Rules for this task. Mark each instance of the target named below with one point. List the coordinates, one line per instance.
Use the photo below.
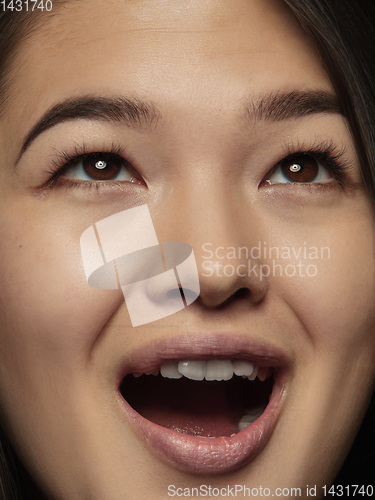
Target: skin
(62, 342)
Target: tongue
(210, 409)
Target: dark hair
(13, 477)
(344, 34)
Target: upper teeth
(213, 369)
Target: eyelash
(67, 159)
(325, 153)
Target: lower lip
(197, 455)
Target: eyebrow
(133, 112)
(294, 104)
(136, 113)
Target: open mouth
(207, 398)
(204, 403)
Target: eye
(301, 168)
(101, 167)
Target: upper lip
(203, 346)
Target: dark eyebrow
(294, 104)
(136, 113)
(133, 112)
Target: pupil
(302, 168)
(101, 168)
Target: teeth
(242, 368)
(218, 369)
(170, 370)
(250, 417)
(213, 369)
(245, 422)
(155, 372)
(195, 370)
(254, 374)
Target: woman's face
(203, 101)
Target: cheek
(337, 306)
(50, 322)
(334, 316)
(334, 300)
(49, 316)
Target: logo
(122, 251)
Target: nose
(227, 245)
(227, 271)
(154, 287)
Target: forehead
(204, 53)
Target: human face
(205, 168)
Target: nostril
(240, 294)
(215, 298)
(174, 293)
(188, 295)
